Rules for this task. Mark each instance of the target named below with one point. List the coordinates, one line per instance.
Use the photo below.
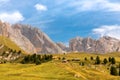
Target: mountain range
(33, 40)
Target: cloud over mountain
(13, 17)
(106, 30)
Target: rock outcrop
(103, 45)
(28, 38)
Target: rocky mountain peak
(103, 45)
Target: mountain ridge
(104, 44)
(33, 40)
(28, 38)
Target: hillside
(9, 50)
(58, 70)
(9, 44)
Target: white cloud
(90, 5)
(11, 17)
(112, 31)
(40, 7)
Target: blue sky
(65, 19)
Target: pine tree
(119, 69)
(34, 58)
(39, 57)
(109, 59)
(85, 59)
(97, 60)
(113, 60)
(105, 61)
(63, 58)
(113, 70)
(91, 58)
(25, 60)
(37, 61)
(51, 56)
(19, 52)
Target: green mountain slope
(6, 43)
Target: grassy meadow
(57, 70)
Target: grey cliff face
(32, 40)
(41, 42)
(102, 45)
(16, 36)
(107, 44)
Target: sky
(63, 20)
